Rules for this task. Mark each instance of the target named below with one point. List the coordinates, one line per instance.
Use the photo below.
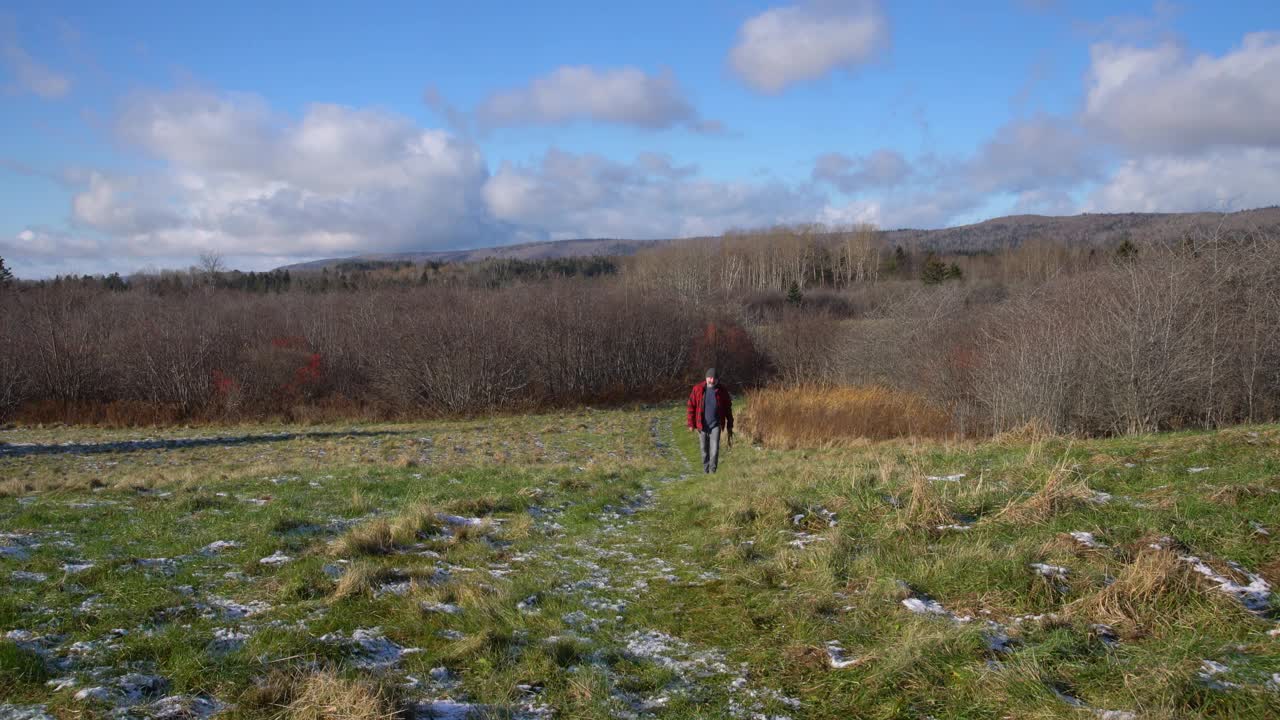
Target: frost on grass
(957, 477)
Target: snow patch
(218, 546)
(372, 649)
(275, 559)
(1086, 539)
(1256, 596)
(24, 712)
(1050, 571)
(185, 707)
(838, 657)
(226, 640)
(438, 607)
(226, 609)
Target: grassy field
(575, 565)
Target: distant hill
(993, 234)
(547, 250)
(1086, 229)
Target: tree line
(1136, 336)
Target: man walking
(710, 411)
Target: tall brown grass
(1063, 490)
(808, 416)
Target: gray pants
(710, 449)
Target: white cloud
(1164, 99)
(31, 75)
(1225, 179)
(784, 46)
(625, 96)
(572, 195)
(115, 205)
(241, 179)
(46, 243)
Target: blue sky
(143, 134)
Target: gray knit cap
(711, 373)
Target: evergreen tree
(1126, 250)
(954, 272)
(794, 296)
(6, 275)
(934, 271)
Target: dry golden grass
(371, 538)
(414, 523)
(325, 696)
(816, 417)
(1130, 603)
(1032, 431)
(382, 536)
(926, 509)
(358, 580)
(1063, 490)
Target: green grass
(580, 593)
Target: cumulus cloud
(236, 176)
(239, 178)
(29, 74)
(586, 195)
(879, 169)
(787, 45)
(624, 96)
(1224, 179)
(1163, 98)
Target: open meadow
(577, 565)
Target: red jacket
(724, 406)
